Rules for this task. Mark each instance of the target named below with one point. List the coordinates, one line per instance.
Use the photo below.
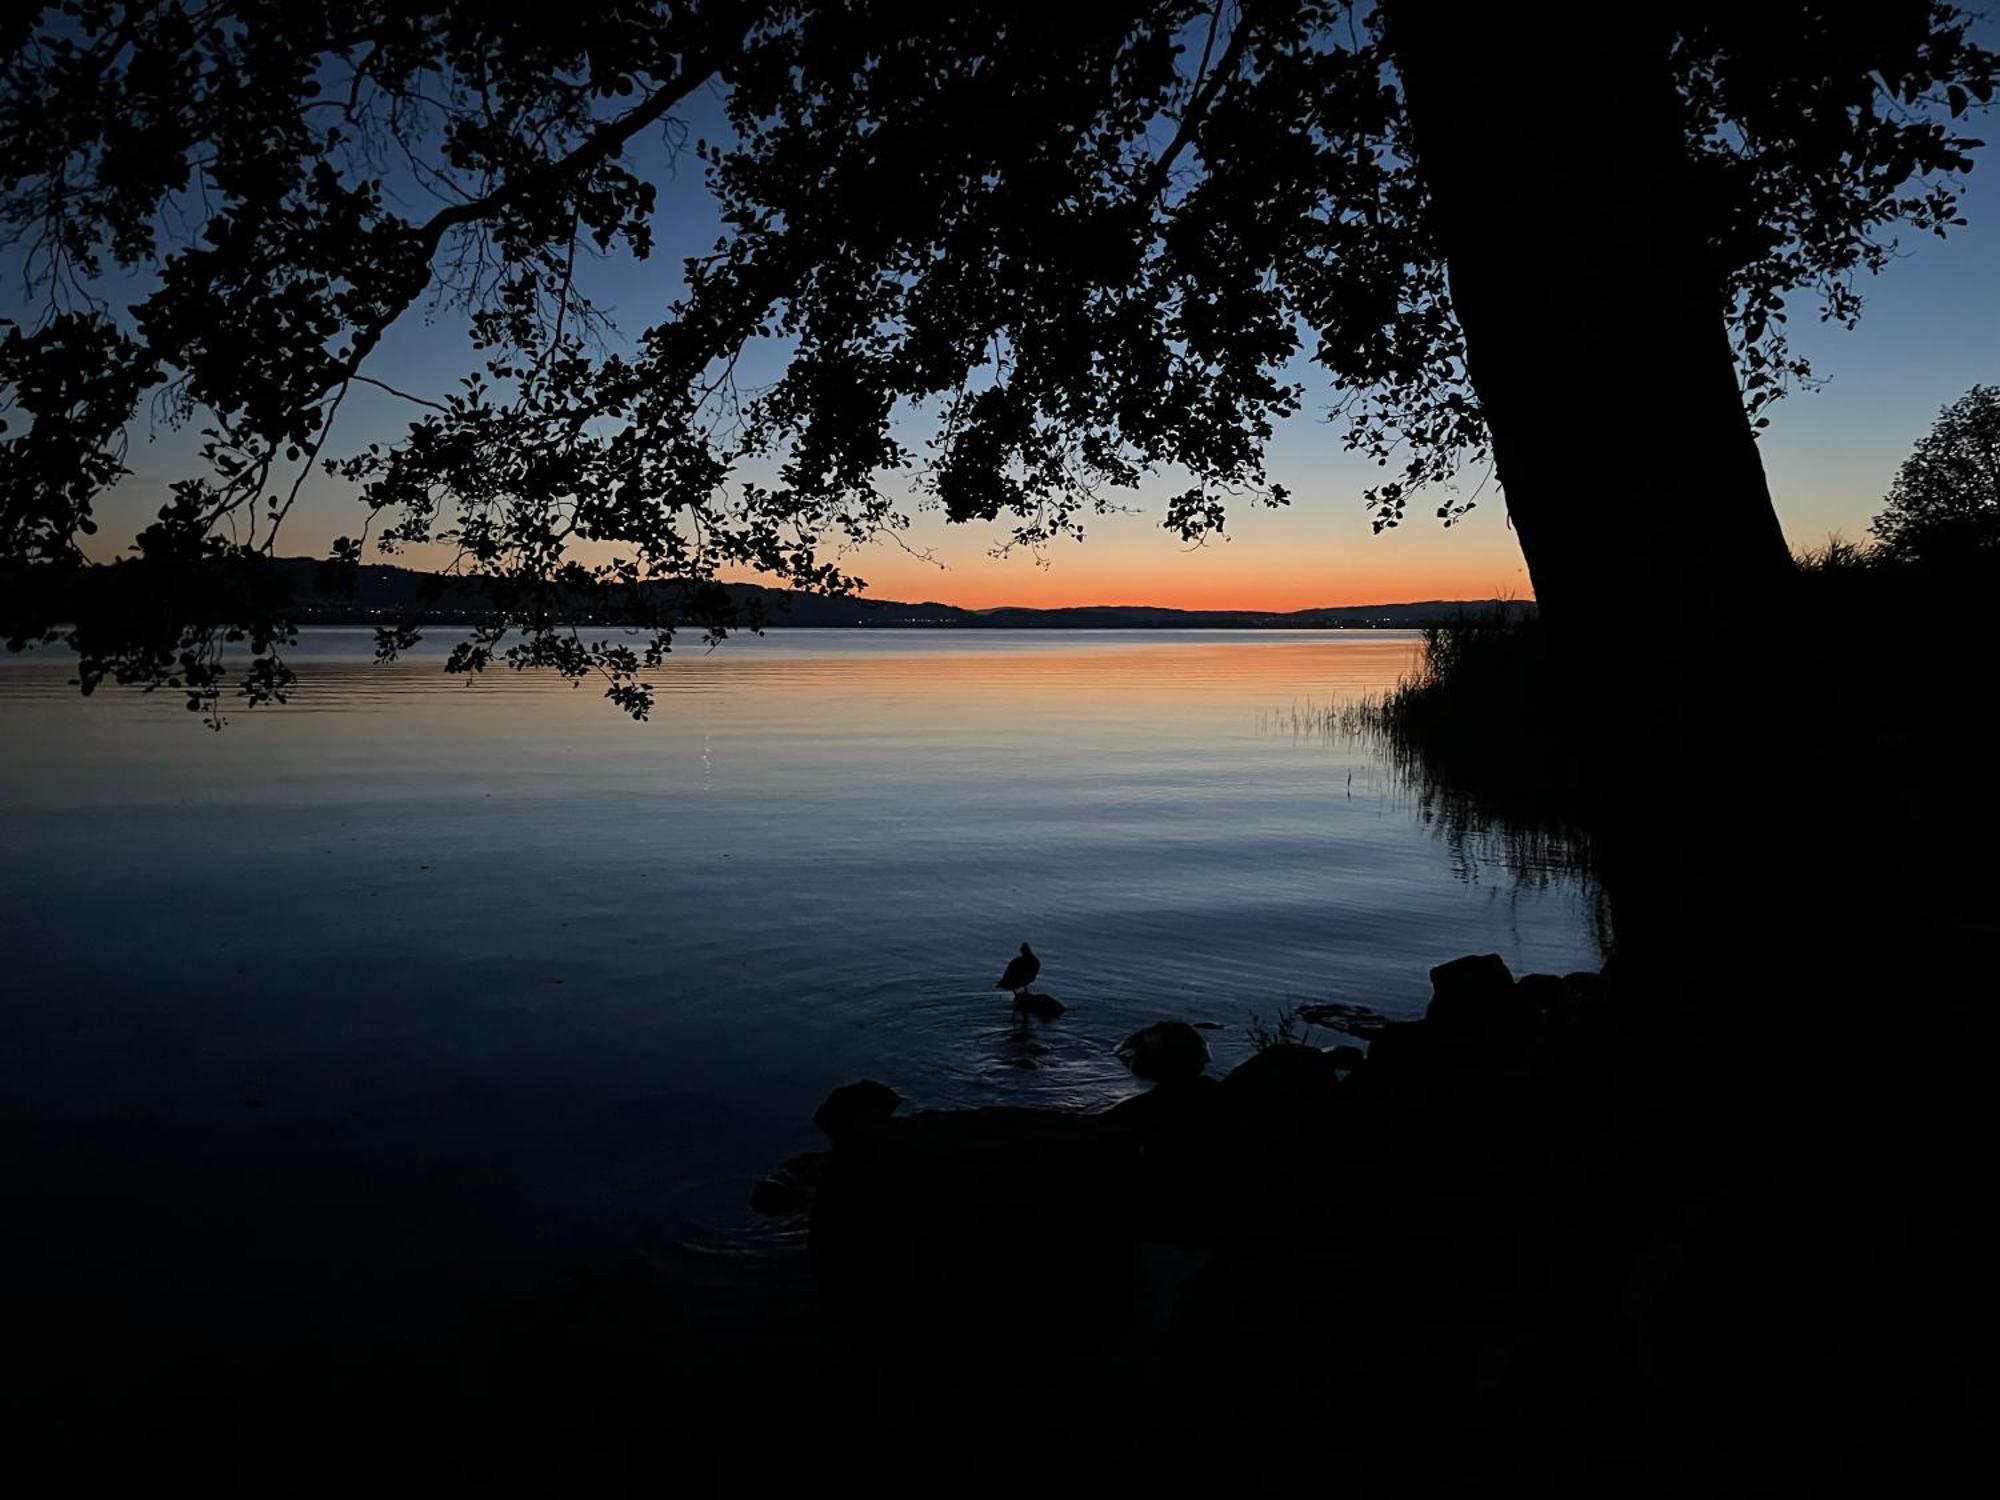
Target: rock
(1173, 1108)
(1476, 979)
(1264, 1340)
(1176, 1127)
(856, 1106)
(1279, 1117)
(772, 1196)
(791, 1187)
(1542, 994)
(1165, 1271)
(956, 1229)
(1400, 1047)
(1286, 1088)
(1450, 1252)
(1347, 1058)
(1041, 1007)
(1812, 1384)
(1164, 1052)
(1581, 991)
(1475, 1003)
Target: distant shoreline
(385, 594)
(369, 622)
(377, 594)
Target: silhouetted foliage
(1946, 499)
(1836, 555)
(1023, 255)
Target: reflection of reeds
(1471, 732)
(1349, 719)
(1466, 734)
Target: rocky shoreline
(1500, 1245)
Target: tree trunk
(1597, 341)
(1761, 926)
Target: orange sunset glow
(1319, 553)
(1084, 579)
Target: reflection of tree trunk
(1597, 342)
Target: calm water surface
(445, 964)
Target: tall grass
(1838, 555)
(1479, 711)
(1475, 730)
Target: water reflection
(495, 931)
(1535, 847)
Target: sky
(1930, 330)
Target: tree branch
(697, 66)
(1204, 97)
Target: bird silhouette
(1021, 971)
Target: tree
(1084, 245)
(1945, 503)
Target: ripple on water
(483, 905)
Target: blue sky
(1931, 329)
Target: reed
(1472, 730)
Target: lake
(421, 968)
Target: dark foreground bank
(1565, 1234)
(1550, 1239)
(1492, 730)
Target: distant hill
(385, 592)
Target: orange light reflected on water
(1062, 671)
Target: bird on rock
(1021, 971)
